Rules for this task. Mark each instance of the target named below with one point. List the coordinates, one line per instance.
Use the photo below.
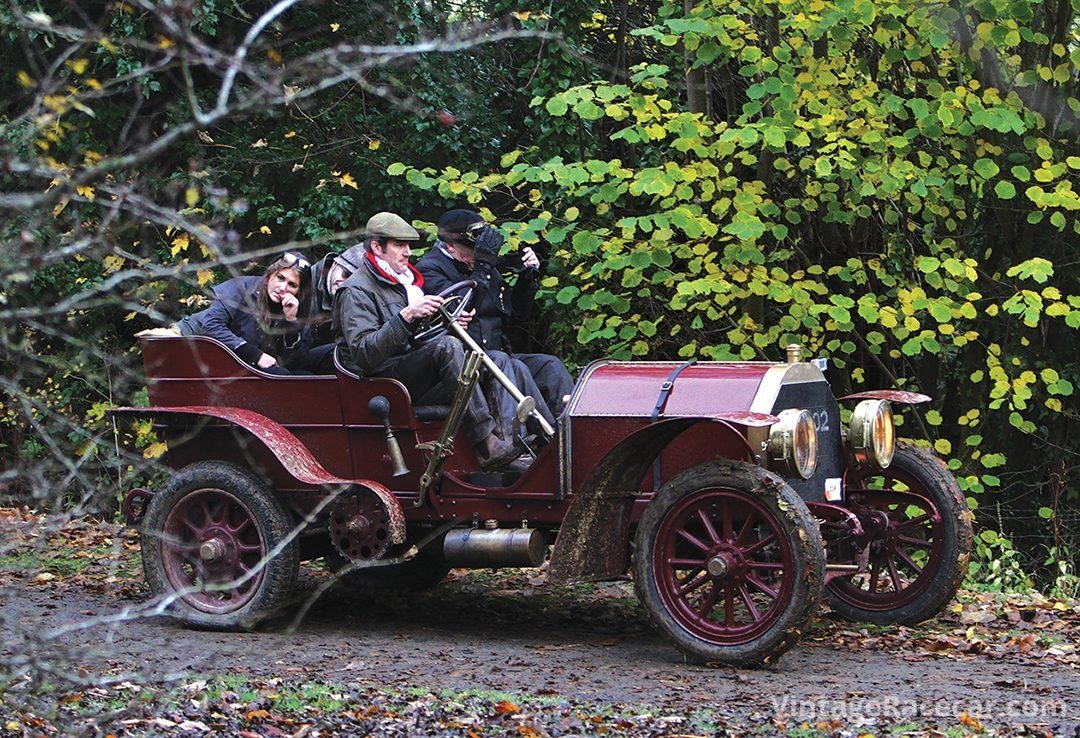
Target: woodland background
(892, 184)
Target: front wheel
(216, 542)
(916, 543)
(729, 563)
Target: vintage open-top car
(733, 491)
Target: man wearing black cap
(327, 275)
(468, 248)
(375, 313)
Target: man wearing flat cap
(376, 312)
(468, 248)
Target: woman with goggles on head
(262, 319)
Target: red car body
(629, 430)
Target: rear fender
(594, 538)
(294, 456)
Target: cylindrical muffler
(478, 548)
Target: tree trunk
(697, 81)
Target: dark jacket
(497, 305)
(367, 318)
(232, 318)
(322, 303)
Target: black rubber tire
(796, 602)
(253, 512)
(941, 577)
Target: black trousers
(551, 377)
(522, 378)
(430, 372)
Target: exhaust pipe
(484, 548)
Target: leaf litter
(102, 558)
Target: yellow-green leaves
(1037, 269)
(860, 190)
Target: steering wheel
(456, 299)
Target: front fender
(594, 538)
(901, 397)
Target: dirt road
(73, 617)
(589, 644)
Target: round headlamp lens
(872, 435)
(793, 444)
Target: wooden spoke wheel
(729, 563)
(214, 544)
(916, 542)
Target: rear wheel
(917, 541)
(215, 541)
(729, 563)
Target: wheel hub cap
(212, 550)
(718, 566)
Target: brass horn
(379, 406)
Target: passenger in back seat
(327, 275)
(262, 319)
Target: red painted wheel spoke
(693, 541)
(768, 565)
(180, 543)
(188, 521)
(912, 523)
(773, 593)
(242, 524)
(189, 553)
(255, 548)
(709, 529)
(875, 572)
(746, 529)
(752, 548)
(679, 564)
(208, 576)
(910, 562)
(689, 584)
(891, 489)
(894, 575)
(708, 602)
(243, 582)
(750, 606)
(729, 606)
(916, 542)
(207, 509)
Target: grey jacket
(367, 319)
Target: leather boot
(494, 452)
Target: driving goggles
(296, 261)
(472, 232)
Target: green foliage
(996, 565)
(1063, 573)
(890, 185)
